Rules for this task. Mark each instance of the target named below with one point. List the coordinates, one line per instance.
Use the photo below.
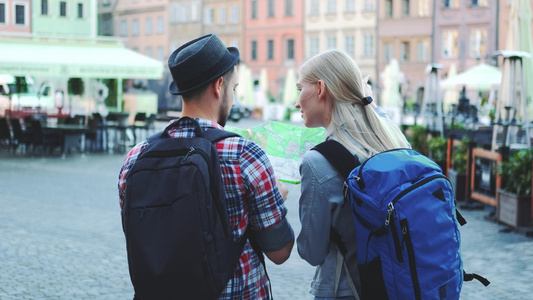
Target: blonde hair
(350, 118)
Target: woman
(333, 95)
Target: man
(204, 74)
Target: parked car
(238, 111)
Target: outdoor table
(72, 136)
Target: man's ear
(218, 85)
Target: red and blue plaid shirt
(252, 197)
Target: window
(194, 13)
(106, 2)
(235, 14)
(234, 43)
(160, 24)
(253, 50)
(3, 13)
(388, 8)
(314, 8)
(270, 49)
(160, 53)
(62, 9)
(222, 15)
(451, 4)
(80, 10)
(123, 28)
(368, 5)
(148, 51)
(422, 51)
(349, 45)
(350, 6)
(107, 24)
(368, 45)
(288, 8)
(313, 46)
(174, 12)
(290, 49)
(135, 27)
(209, 16)
(44, 7)
(478, 40)
(20, 18)
(449, 44)
(479, 3)
(423, 8)
(388, 52)
(271, 8)
(332, 42)
(404, 52)
(332, 7)
(405, 8)
(253, 9)
(148, 26)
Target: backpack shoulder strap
(338, 156)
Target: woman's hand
(283, 190)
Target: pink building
(15, 16)
(273, 39)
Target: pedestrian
(204, 74)
(335, 96)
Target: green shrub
(460, 156)
(516, 172)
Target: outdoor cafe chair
(20, 135)
(5, 134)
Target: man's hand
(283, 190)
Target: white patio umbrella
(391, 100)
(290, 93)
(245, 89)
(482, 77)
(451, 96)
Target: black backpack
(178, 237)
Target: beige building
(405, 29)
(224, 18)
(346, 25)
(144, 26)
(185, 21)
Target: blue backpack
(406, 224)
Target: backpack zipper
(411, 255)
(395, 239)
(417, 185)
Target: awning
(84, 60)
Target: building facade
(105, 17)
(69, 18)
(347, 25)
(15, 16)
(223, 17)
(273, 39)
(405, 29)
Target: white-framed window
(160, 24)
(80, 10)
(478, 42)
(405, 51)
(388, 9)
(234, 14)
(124, 28)
(422, 50)
(174, 12)
(479, 3)
(270, 49)
(222, 15)
(313, 46)
(368, 5)
(149, 52)
(44, 7)
(194, 11)
(289, 8)
(349, 45)
(290, 49)
(253, 9)
(148, 26)
(160, 53)
(388, 52)
(62, 8)
(406, 9)
(423, 8)
(332, 42)
(449, 43)
(106, 2)
(349, 6)
(271, 8)
(314, 8)
(253, 50)
(20, 14)
(451, 4)
(183, 15)
(209, 15)
(368, 45)
(3, 13)
(135, 27)
(234, 43)
(332, 7)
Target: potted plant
(438, 149)
(457, 172)
(417, 137)
(514, 197)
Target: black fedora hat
(199, 62)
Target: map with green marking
(284, 144)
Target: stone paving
(61, 237)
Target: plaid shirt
(252, 196)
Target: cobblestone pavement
(61, 238)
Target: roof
(83, 59)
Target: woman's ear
(322, 90)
